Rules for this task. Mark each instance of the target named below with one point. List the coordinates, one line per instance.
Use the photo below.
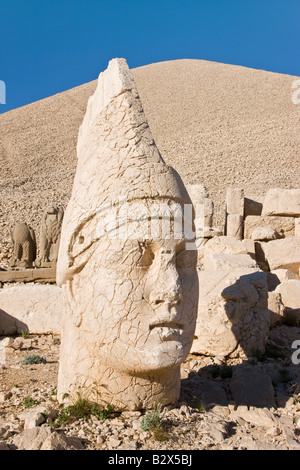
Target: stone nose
(164, 286)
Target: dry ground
(190, 424)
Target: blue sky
(48, 46)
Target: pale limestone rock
(255, 416)
(34, 418)
(204, 211)
(44, 438)
(233, 313)
(282, 254)
(4, 396)
(130, 301)
(283, 226)
(288, 431)
(197, 192)
(30, 307)
(2, 354)
(264, 234)
(290, 293)
(282, 202)
(250, 247)
(276, 308)
(278, 276)
(209, 392)
(235, 213)
(235, 201)
(223, 253)
(297, 227)
(223, 261)
(59, 441)
(226, 245)
(234, 226)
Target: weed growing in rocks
(153, 421)
(33, 359)
(25, 334)
(83, 408)
(28, 402)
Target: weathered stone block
(276, 308)
(232, 312)
(282, 254)
(277, 276)
(223, 261)
(290, 293)
(34, 308)
(235, 201)
(234, 227)
(284, 202)
(284, 226)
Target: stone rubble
(216, 410)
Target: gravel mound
(219, 125)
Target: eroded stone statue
(50, 235)
(24, 245)
(130, 291)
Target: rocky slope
(217, 124)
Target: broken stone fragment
(282, 254)
(284, 202)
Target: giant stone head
(127, 264)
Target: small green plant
(295, 399)
(153, 421)
(33, 359)
(25, 334)
(28, 402)
(102, 413)
(82, 407)
(200, 407)
(56, 341)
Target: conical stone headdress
(117, 158)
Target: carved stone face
(138, 297)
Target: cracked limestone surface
(128, 277)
